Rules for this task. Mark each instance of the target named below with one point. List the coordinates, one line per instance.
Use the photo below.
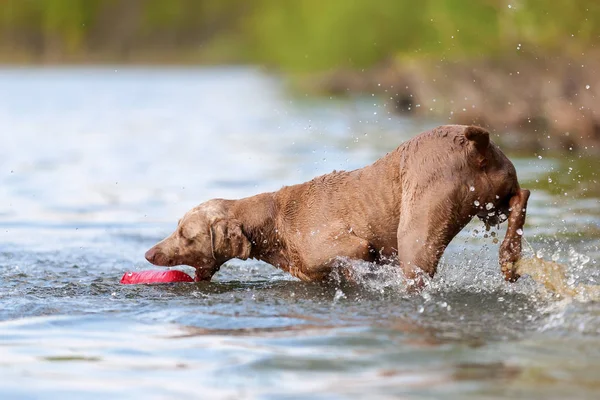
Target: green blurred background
(512, 66)
(295, 35)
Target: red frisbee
(157, 276)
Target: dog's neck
(257, 215)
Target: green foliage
(295, 34)
(320, 34)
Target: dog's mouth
(203, 273)
(496, 219)
(493, 218)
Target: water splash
(369, 277)
(553, 276)
(549, 278)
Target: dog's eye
(181, 233)
(186, 235)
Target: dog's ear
(481, 141)
(479, 136)
(228, 241)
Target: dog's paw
(509, 270)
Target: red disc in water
(157, 276)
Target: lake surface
(97, 165)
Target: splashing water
(386, 278)
(369, 277)
(553, 276)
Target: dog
(408, 205)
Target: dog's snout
(151, 255)
(157, 256)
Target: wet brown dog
(409, 203)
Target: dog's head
(205, 238)
(503, 199)
(496, 172)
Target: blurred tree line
(297, 35)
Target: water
(96, 165)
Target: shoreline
(549, 104)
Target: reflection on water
(96, 165)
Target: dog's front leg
(420, 247)
(510, 250)
(419, 254)
(426, 229)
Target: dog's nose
(151, 255)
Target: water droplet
(520, 232)
(421, 309)
(587, 86)
(539, 254)
(584, 259)
(476, 202)
(489, 206)
(540, 157)
(549, 180)
(509, 6)
(472, 188)
(338, 295)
